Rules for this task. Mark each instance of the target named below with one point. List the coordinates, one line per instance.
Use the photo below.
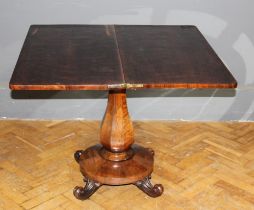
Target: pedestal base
(97, 171)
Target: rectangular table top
(101, 57)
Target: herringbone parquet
(201, 165)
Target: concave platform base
(98, 171)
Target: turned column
(116, 160)
(116, 133)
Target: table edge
(124, 86)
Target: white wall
(227, 25)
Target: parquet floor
(201, 165)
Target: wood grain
(67, 57)
(95, 167)
(170, 57)
(116, 161)
(102, 57)
(116, 132)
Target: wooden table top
(101, 57)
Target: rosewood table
(117, 58)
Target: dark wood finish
(116, 156)
(97, 171)
(116, 161)
(170, 57)
(90, 188)
(68, 57)
(146, 186)
(100, 57)
(116, 58)
(95, 167)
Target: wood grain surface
(170, 56)
(116, 132)
(60, 57)
(99, 57)
(116, 160)
(95, 167)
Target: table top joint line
(118, 54)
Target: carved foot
(90, 188)
(146, 186)
(151, 151)
(77, 155)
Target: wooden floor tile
(208, 165)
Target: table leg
(116, 160)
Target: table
(117, 58)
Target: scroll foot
(146, 186)
(151, 151)
(77, 155)
(83, 193)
